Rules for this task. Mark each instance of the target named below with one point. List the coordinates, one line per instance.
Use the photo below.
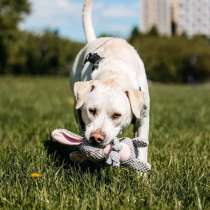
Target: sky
(116, 17)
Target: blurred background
(42, 37)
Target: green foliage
(134, 33)
(42, 54)
(47, 53)
(175, 59)
(26, 53)
(179, 152)
(11, 13)
(153, 32)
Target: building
(164, 17)
(155, 13)
(147, 13)
(193, 17)
(190, 17)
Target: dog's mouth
(99, 144)
(96, 144)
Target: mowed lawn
(179, 152)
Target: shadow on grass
(60, 154)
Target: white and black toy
(121, 152)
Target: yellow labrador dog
(110, 87)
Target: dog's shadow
(60, 156)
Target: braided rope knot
(114, 156)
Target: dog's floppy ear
(81, 90)
(136, 98)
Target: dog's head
(106, 109)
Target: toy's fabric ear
(66, 137)
(136, 99)
(81, 90)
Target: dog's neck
(114, 72)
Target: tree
(11, 13)
(153, 31)
(134, 33)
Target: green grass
(179, 152)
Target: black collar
(94, 59)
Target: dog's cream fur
(114, 87)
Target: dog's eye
(93, 111)
(116, 116)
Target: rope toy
(119, 152)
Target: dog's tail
(87, 21)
